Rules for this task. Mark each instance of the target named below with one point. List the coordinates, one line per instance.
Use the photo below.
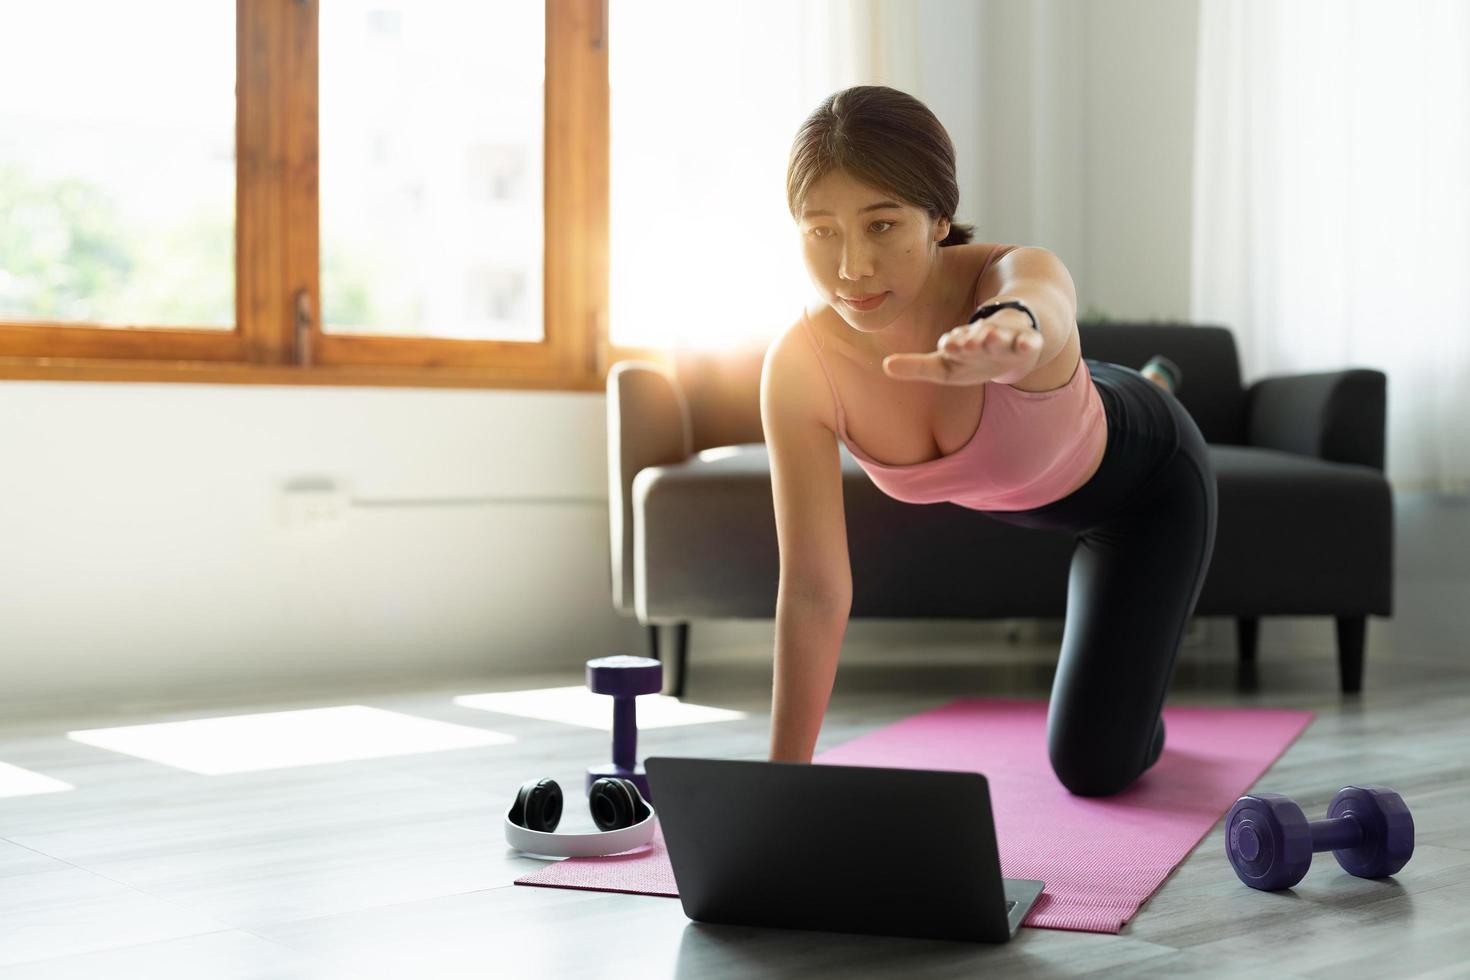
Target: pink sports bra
(1028, 450)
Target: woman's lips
(867, 304)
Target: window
(363, 200)
(118, 199)
(431, 170)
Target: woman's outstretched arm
(1036, 277)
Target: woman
(1001, 415)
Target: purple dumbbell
(1270, 844)
(624, 678)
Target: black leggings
(1145, 530)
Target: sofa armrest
(1338, 416)
(647, 425)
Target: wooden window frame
(276, 338)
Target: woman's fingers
(967, 355)
(989, 338)
(959, 367)
(948, 369)
(1018, 340)
(918, 367)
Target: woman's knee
(1086, 771)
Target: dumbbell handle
(1335, 833)
(625, 732)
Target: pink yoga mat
(1101, 857)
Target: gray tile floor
(395, 866)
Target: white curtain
(1331, 224)
(705, 101)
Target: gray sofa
(1305, 520)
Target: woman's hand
(1003, 343)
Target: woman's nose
(857, 262)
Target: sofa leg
(673, 678)
(1351, 634)
(1247, 628)
(681, 658)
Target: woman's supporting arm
(808, 643)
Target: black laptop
(891, 852)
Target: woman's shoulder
(977, 263)
(979, 253)
(793, 372)
(987, 255)
(824, 330)
(986, 276)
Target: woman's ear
(941, 229)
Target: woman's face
(860, 242)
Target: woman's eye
(822, 231)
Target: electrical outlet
(312, 505)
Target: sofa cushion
(1298, 536)
(1295, 535)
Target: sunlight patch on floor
(284, 739)
(579, 706)
(15, 781)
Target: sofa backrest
(1212, 391)
(723, 392)
(722, 388)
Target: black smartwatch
(1010, 304)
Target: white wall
(142, 548)
(1088, 116)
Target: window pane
(703, 251)
(431, 175)
(117, 163)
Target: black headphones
(624, 818)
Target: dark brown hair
(883, 137)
